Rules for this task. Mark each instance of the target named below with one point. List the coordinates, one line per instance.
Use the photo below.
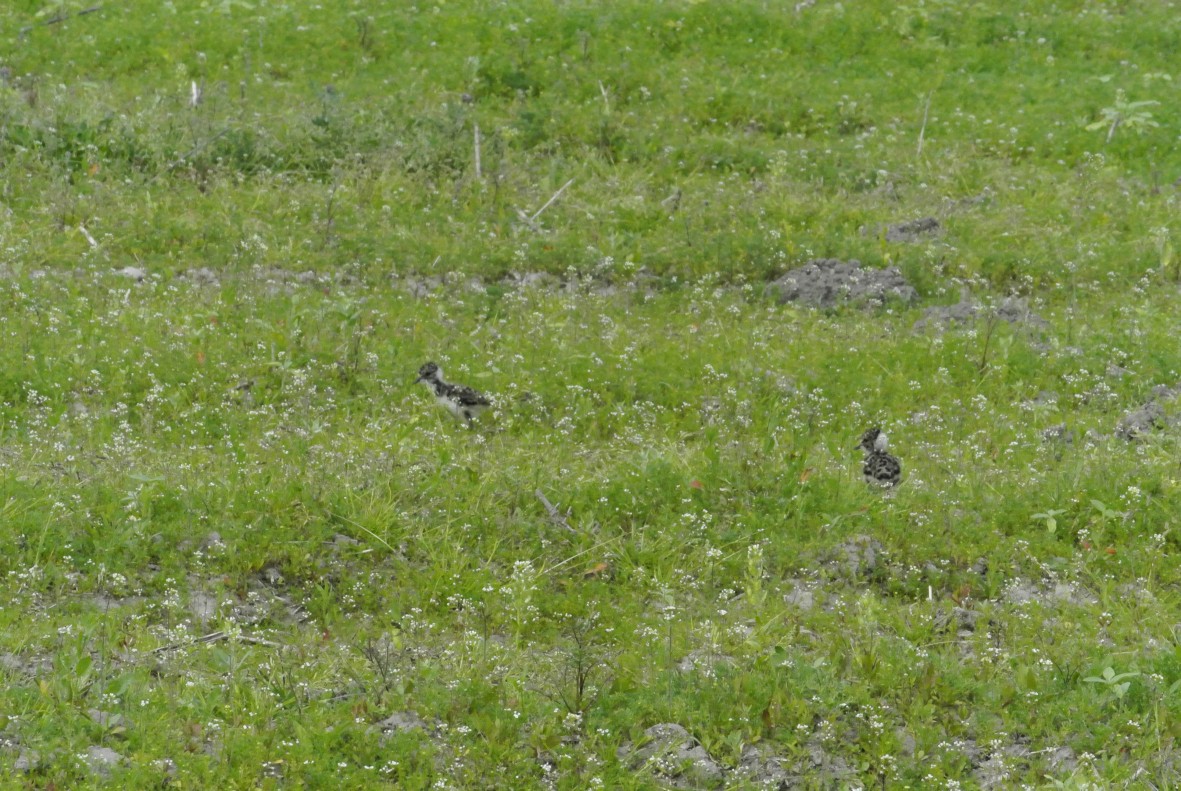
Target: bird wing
(466, 396)
(883, 467)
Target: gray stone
(1141, 421)
(906, 742)
(399, 722)
(997, 769)
(101, 760)
(26, 762)
(167, 766)
(530, 280)
(420, 287)
(913, 231)
(133, 272)
(1070, 593)
(823, 770)
(801, 598)
(1058, 434)
(202, 276)
(1016, 310)
(961, 620)
(760, 768)
(1044, 398)
(1020, 591)
(1151, 415)
(1062, 760)
(341, 540)
(943, 316)
(705, 662)
(993, 773)
(670, 752)
(860, 555)
(826, 282)
(202, 606)
(108, 720)
(12, 663)
(1013, 310)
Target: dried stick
(58, 18)
(525, 219)
(923, 128)
(555, 516)
(549, 202)
(215, 637)
(369, 532)
(479, 173)
(89, 238)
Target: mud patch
(827, 282)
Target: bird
(881, 468)
(459, 400)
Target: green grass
(234, 447)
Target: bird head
(427, 373)
(874, 440)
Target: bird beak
(419, 379)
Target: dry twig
(216, 637)
(549, 202)
(58, 18)
(557, 517)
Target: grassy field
(242, 549)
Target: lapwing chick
(460, 401)
(881, 468)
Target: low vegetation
(243, 549)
